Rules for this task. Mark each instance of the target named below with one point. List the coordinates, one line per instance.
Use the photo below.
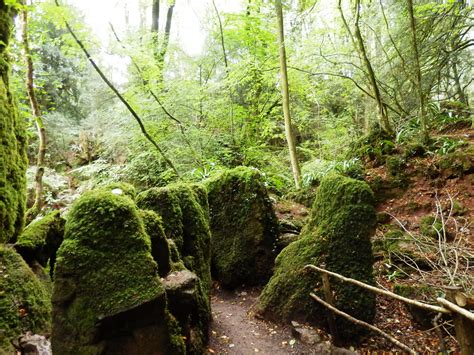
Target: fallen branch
(120, 97)
(455, 308)
(423, 305)
(364, 324)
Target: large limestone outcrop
(244, 228)
(107, 296)
(338, 236)
(176, 217)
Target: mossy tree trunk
(13, 161)
(40, 158)
(286, 97)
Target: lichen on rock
(107, 295)
(337, 236)
(244, 227)
(25, 303)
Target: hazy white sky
(188, 18)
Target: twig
(455, 308)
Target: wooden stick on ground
(382, 292)
(364, 324)
(456, 308)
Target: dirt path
(235, 330)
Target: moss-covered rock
(189, 303)
(431, 226)
(338, 236)
(244, 227)
(25, 303)
(41, 240)
(160, 249)
(184, 212)
(13, 161)
(185, 222)
(120, 188)
(107, 296)
(458, 163)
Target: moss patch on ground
(244, 227)
(25, 303)
(337, 236)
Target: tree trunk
(358, 43)
(286, 97)
(155, 17)
(421, 94)
(164, 46)
(40, 158)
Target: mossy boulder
(337, 236)
(431, 226)
(13, 161)
(25, 302)
(184, 216)
(458, 163)
(41, 239)
(160, 249)
(244, 228)
(120, 188)
(107, 296)
(185, 223)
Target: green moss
(184, 211)
(244, 227)
(185, 222)
(458, 163)
(104, 268)
(13, 161)
(374, 146)
(25, 303)
(432, 227)
(338, 235)
(166, 203)
(41, 239)
(126, 189)
(160, 249)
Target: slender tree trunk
(119, 96)
(40, 158)
(421, 94)
(358, 43)
(286, 97)
(155, 17)
(164, 46)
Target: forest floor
(235, 330)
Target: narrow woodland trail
(235, 330)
